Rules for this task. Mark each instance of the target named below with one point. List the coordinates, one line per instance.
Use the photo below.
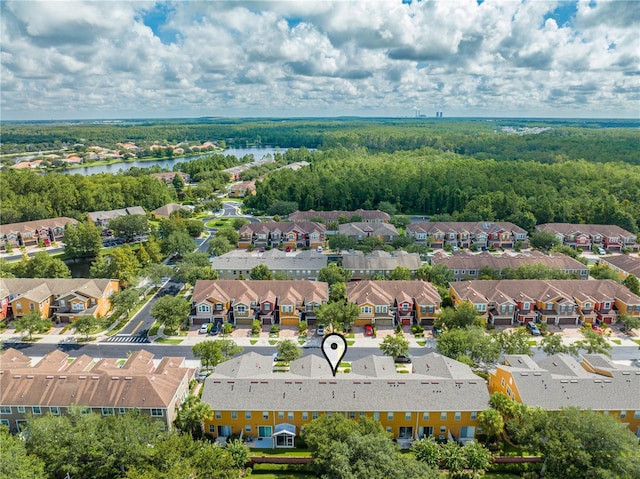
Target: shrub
(275, 328)
(302, 327)
(256, 327)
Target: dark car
(215, 329)
(403, 359)
(437, 331)
(533, 329)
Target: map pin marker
(334, 347)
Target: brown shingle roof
(31, 226)
(53, 382)
(386, 292)
(569, 228)
(245, 291)
(330, 216)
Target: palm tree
(191, 416)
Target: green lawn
(168, 341)
(253, 341)
(281, 471)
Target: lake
(258, 154)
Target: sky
(382, 58)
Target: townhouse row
(288, 302)
(62, 300)
(57, 383)
(434, 396)
(590, 237)
(557, 302)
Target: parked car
(601, 251)
(215, 329)
(319, 249)
(533, 329)
(596, 328)
(204, 329)
(202, 375)
(320, 330)
(437, 331)
(403, 359)
(368, 330)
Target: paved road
(141, 323)
(120, 350)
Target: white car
(320, 330)
(204, 329)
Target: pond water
(258, 154)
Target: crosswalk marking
(127, 338)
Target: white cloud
(109, 59)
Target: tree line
(450, 187)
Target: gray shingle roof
(391, 391)
(380, 260)
(464, 260)
(274, 259)
(562, 382)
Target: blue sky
(133, 59)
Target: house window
(381, 309)
(78, 307)
(305, 415)
(636, 415)
(247, 415)
(54, 410)
(526, 306)
(425, 416)
(366, 309)
(203, 308)
(280, 415)
(314, 415)
(219, 306)
(407, 416)
(265, 415)
(390, 416)
(157, 412)
(457, 416)
(266, 306)
(5, 422)
(376, 416)
(352, 415)
(36, 410)
(241, 309)
(623, 414)
(218, 414)
(247, 428)
(5, 410)
(443, 416)
(32, 306)
(474, 415)
(423, 309)
(107, 411)
(290, 416)
(212, 429)
(587, 305)
(287, 308)
(443, 429)
(122, 410)
(234, 414)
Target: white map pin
(334, 347)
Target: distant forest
(534, 171)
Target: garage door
(502, 321)
(567, 321)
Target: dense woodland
(580, 171)
(428, 182)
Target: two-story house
(464, 234)
(622, 264)
(608, 237)
(385, 232)
(240, 302)
(30, 233)
(295, 265)
(102, 218)
(286, 234)
(441, 398)
(552, 301)
(389, 303)
(378, 263)
(57, 383)
(365, 216)
(466, 266)
(63, 300)
(560, 381)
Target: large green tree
(288, 350)
(342, 448)
(212, 353)
(15, 462)
(171, 311)
(338, 315)
(41, 265)
(260, 272)
(129, 226)
(395, 345)
(463, 316)
(332, 273)
(82, 240)
(32, 322)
